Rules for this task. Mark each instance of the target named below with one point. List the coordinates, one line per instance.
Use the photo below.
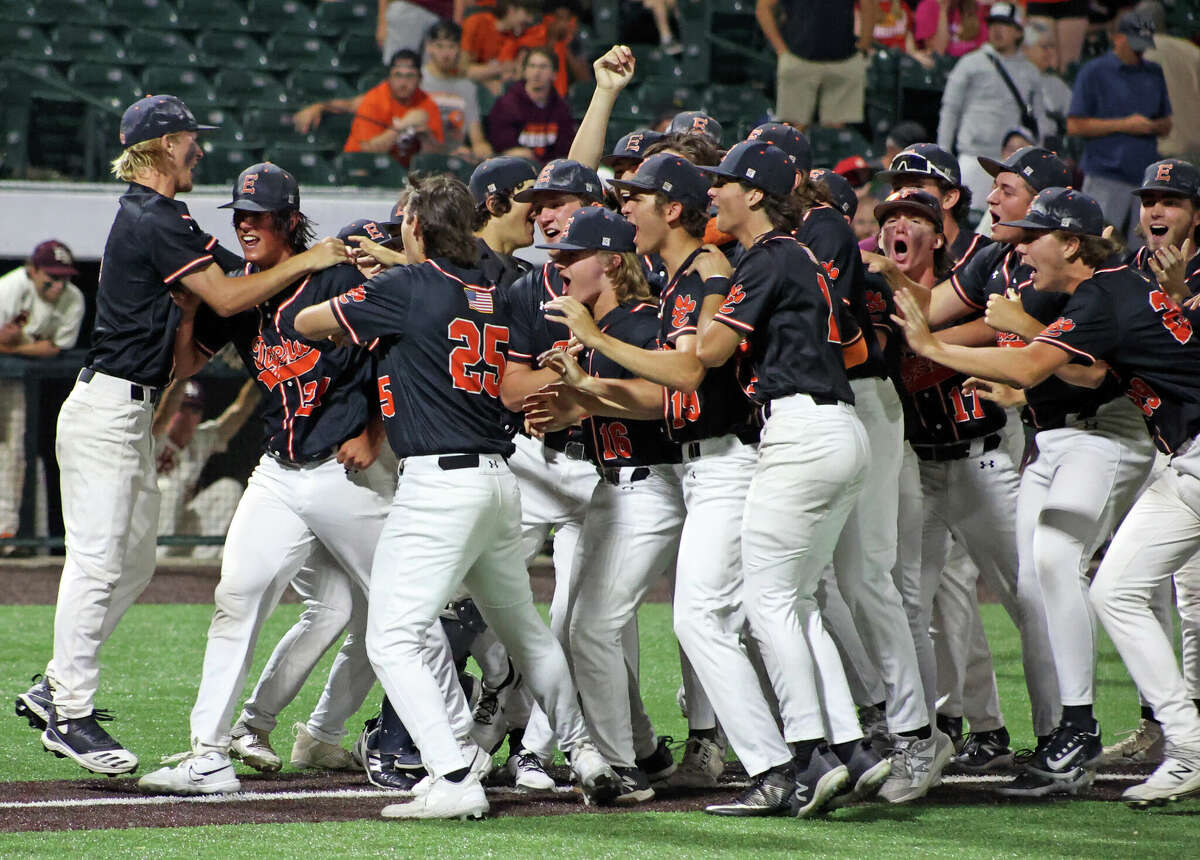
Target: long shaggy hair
(443, 206)
(142, 157)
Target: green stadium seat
(223, 14)
(14, 134)
(25, 41)
(305, 87)
(158, 14)
(287, 16)
(369, 169)
(914, 76)
(344, 16)
(191, 85)
(222, 164)
(435, 162)
(217, 115)
(606, 20)
(370, 79)
(831, 145)
(41, 81)
(112, 84)
(19, 13)
(87, 43)
(71, 11)
(231, 49)
(229, 131)
(357, 52)
(311, 167)
(304, 53)
(161, 47)
(250, 89)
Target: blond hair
(628, 277)
(149, 155)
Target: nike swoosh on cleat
(1061, 762)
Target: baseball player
(105, 453)
(455, 518)
(810, 466)
(502, 225)
(306, 494)
(1114, 314)
(40, 314)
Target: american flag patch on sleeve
(479, 300)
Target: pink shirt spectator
(925, 24)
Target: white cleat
(528, 772)
(1176, 778)
(916, 766)
(253, 747)
(211, 773)
(308, 752)
(597, 780)
(444, 799)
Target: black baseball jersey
(315, 395)
(153, 243)
(1052, 401)
(825, 231)
(620, 441)
(1122, 317)
(443, 334)
(1140, 260)
(881, 305)
(965, 246)
(718, 406)
(781, 303)
(500, 269)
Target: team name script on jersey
(289, 360)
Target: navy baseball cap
(499, 175)
(632, 147)
(1041, 168)
(264, 187)
(595, 228)
(925, 159)
(370, 228)
(565, 176)
(1062, 209)
(839, 188)
(1171, 176)
(673, 175)
(792, 142)
(912, 201)
(1138, 28)
(154, 116)
(696, 122)
(395, 218)
(762, 165)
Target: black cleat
(35, 703)
(818, 783)
(87, 743)
(867, 773)
(660, 764)
(771, 794)
(984, 752)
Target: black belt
(136, 392)
(300, 462)
(612, 474)
(954, 450)
(819, 399)
(450, 462)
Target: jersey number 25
(477, 344)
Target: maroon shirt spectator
(531, 120)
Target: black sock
(1196, 702)
(1148, 713)
(458, 775)
(924, 733)
(844, 750)
(882, 706)
(707, 734)
(804, 751)
(1078, 716)
(516, 741)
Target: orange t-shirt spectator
(487, 36)
(395, 106)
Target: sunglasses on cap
(911, 162)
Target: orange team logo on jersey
(684, 305)
(831, 269)
(1060, 325)
(1163, 173)
(736, 294)
(288, 360)
(358, 294)
(876, 304)
(248, 183)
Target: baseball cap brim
(613, 160)
(59, 270)
(993, 166)
(1164, 189)
(632, 183)
(883, 210)
(245, 206)
(717, 171)
(565, 246)
(1027, 224)
(528, 194)
(390, 240)
(207, 127)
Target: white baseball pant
(630, 538)
(446, 529)
(110, 504)
(708, 610)
(811, 465)
(966, 679)
(284, 515)
(866, 686)
(1159, 535)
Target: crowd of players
(793, 431)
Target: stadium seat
(306, 54)
(369, 169)
(344, 16)
(250, 89)
(286, 16)
(113, 85)
(831, 145)
(435, 162)
(230, 49)
(309, 86)
(19, 13)
(370, 79)
(138, 14)
(222, 164)
(25, 41)
(71, 11)
(161, 47)
(358, 53)
(229, 131)
(86, 43)
(310, 167)
(225, 14)
(189, 84)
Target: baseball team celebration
(844, 412)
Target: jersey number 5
(478, 343)
(1173, 319)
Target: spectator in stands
(949, 27)
(387, 117)
(1016, 138)
(454, 94)
(820, 67)
(401, 24)
(661, 11)
(893, 24)
(490, 41)
(1180, 61)
(1041, 49)
(531, 120)
(979, 103)
(899, 138)
(1120, 106)
(1067, 20)
(854, 169)
(40, 314)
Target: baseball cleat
(253, 747)
(984, 752)
(308, 752)
(34, 704)
(490, 726)
(771, 794)
(598, 782)
(635, 787)
(874, 725)
(818, 783)
(1069, 747)
(702, 765)
(444, 799)
(660, 764)
(1033, 784)
(953, 728)
(85, 742)
(1144, 745)
(210, 773)
(867, 773)
(527, 771)
(1176, 778)
(917, 766)
(381, 767)
(358, 752)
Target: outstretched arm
(613, 72)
